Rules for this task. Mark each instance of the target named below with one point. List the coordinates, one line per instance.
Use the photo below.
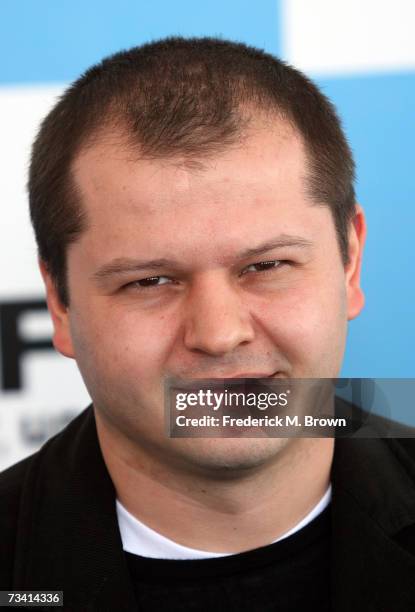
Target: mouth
(250, 375)
(217, 382)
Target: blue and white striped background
(363, 56)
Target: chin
(230, 456)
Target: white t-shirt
(141, 540)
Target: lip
(217, 382)
(249, 375)
(221, 376)
(208, 382)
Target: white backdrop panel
(333, 36)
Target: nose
(217, 321)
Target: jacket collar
(373, 499)
(69, 525)
(73, 534)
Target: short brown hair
(183, 97)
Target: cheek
(308, 323)
(122, 344)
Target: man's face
(220, 270)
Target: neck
(219, 512)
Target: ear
(62, 340)
(357, 237)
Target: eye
(145, 283)
(265, 266)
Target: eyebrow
(123, 265)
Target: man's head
(194, 209)
(180, 98)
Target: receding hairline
(113, 136)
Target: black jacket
(59, 531)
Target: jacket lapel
(373, 499)
(69, 533)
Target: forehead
(220, 201)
